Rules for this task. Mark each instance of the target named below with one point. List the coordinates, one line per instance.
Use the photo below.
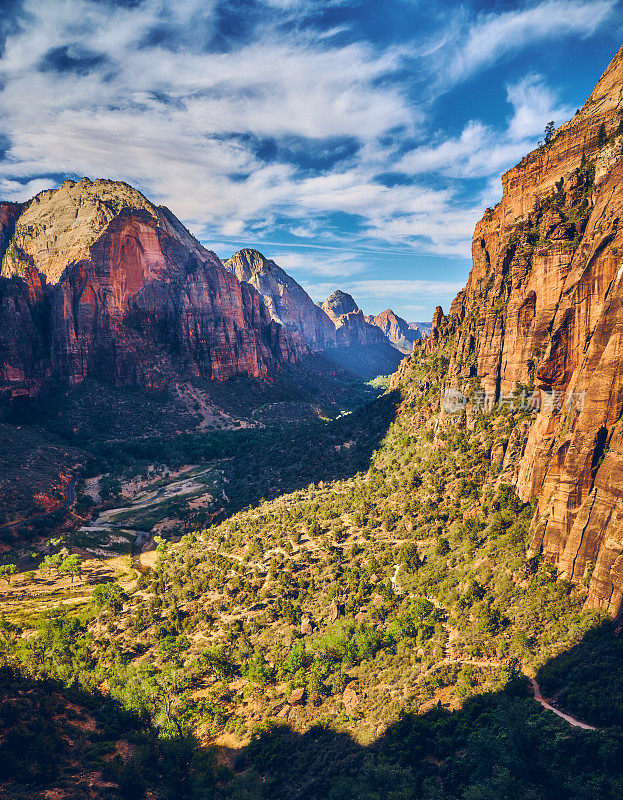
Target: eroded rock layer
(543, 308)
(100, 283)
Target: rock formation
(543, 307)
(397, 330)
(100, 283)
(287, 302)
(338, 304)
(350, 322)
(338, 329)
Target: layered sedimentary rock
(287, 302)
(350, 322)
(543, 308)
(397, 330)
(58, 226)
(100, 283)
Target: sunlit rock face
(350, 322)
(399, 332)
(543, 305)
(98, 282)
(287, 302)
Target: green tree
(7, 571)
(549, 132)
(72, 565)
(109, 596)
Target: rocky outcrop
(338, 304)
(543, 308)
(100, 283)
(287, 302)
(58, 226)
(396, 329)
(350, 322)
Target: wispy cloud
(482, 150)
(490, 36)
(249, 122)
(302, 265)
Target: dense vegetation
(360, 613)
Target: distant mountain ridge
(337, 328)
(400, 333)
(287, 302)
(99, 283)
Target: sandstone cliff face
(287, 302)
(338, 304)
(24, 343)
(543, 307)
(131, 298)
(58, 226)
(350, 322)
(397, 330)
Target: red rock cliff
(543, 306)
(397, 330)
(131, 297)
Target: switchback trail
(567, 717)
(450, 659)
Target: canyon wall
(99, 283)
(543, 308)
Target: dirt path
(567, 717)
(449, 659)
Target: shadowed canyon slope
(543, 307)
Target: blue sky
(356, 143)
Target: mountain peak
(286, 301)
(58, 226)
(247, 262)
(608, 93)
(339, 303)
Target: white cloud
(182, 123)
(482, 150)
(300, 265)
(534, 105)
(494, 35)
(390, 288)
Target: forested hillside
(374, 625)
